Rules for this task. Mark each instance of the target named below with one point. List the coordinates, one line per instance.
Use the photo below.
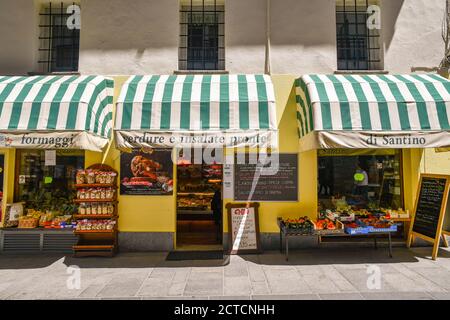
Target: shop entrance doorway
(199, 206)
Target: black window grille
(202, 35)
(358, 47)
(59, 45)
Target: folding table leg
(281, 242)
(287, 247)
(390, 244)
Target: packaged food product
(80, 177)
(90, 177)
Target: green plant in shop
(52, 200)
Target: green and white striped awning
(214, 105)
(403, 111)
(44, 107)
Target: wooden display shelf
(95, 200)
(184, 193)
(95, 185)
(95, 216)
(97, 242)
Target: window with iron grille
(202, 35)
(59, 45)
(358, 47)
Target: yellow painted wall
(141, 213)
(8, 182)
(288, 143)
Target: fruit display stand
(304, 227)
(97, 212)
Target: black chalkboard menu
(275, 184)
(429, 206)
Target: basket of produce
(327, 226)
(375, 225)
(354, 228)
(27, 222)
(298, 226)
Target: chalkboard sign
(430, 210)
(243, 228)
(279, 184)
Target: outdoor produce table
(287, 233)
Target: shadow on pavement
(316, 256)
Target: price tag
(21, 179)
(50, 157)
(48, 180)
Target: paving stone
(176, 289)
(231, 298)
(210, 287)
(260, 288)
(397, 296)
(440, 295)
(338, 279)
(320, 283)
(436, 275)
(237, 286)
(359, 279)
(341, 296)
(91, 291)
(287, 297)
(181, 275)
(236, 270)
(158, 287)
(256, 273)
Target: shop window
(46, 187)
(59, 45)
(362, 179)
(202, 35)
(358, 48)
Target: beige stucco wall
(129, 37)
(245, 36)
(18, 36)
(303, 36)
(412, 34)
(142, 36)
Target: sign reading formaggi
(52, 140)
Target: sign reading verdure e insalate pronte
(431, 210)
(243, 227)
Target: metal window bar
(201, 37)
(59, 46)
(357, 47)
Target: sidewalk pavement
(325, 273)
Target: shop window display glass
(47, 187)
(363, 179)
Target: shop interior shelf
(94, 200)
(195, 193)
(94, 216)
(96, 185)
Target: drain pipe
(268, 65)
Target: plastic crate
(354, 231)
(392, 228)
